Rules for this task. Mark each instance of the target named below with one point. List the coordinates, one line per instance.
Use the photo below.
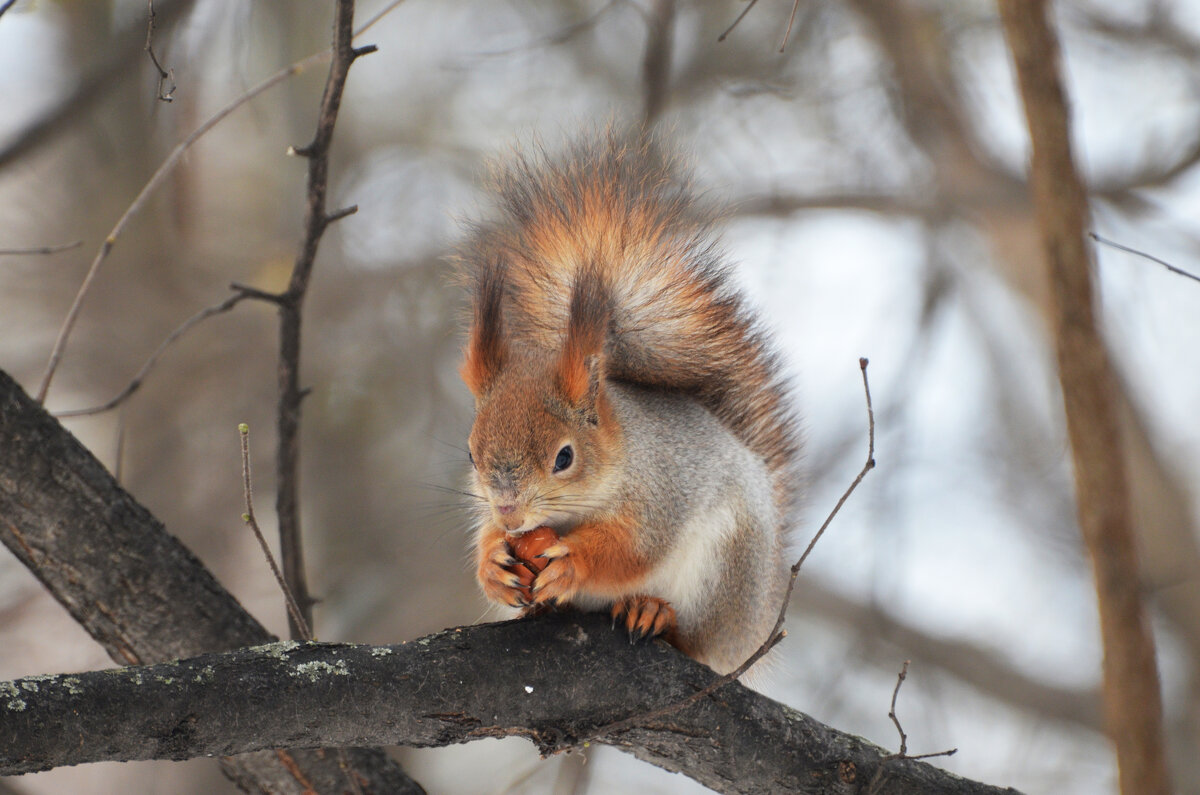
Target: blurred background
(873, 174)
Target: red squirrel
(625, 397)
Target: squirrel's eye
(564, 458)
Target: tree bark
(1131, 688)
(133, 586)
(147, 599)
(555, 680)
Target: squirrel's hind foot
(645, 617)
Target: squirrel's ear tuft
(580, 368)
(486, 346)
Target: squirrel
(627, 398)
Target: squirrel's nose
(506, 508)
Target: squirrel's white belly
(691, 571)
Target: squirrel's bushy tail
(617, 209)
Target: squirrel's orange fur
(626, 397)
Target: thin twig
(862, 473)
(157, 179)
(787, 34)
(1143, 254)
(777, 632)
(254, 292)
(140, 377)
(745, 11)
(878, 779)
(249, 518)
(164, 76)
(892, 710)
(123, 52)
(38, 250)
(383, 12)
(9, 4)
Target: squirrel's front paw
(561, 578)
(496, 576)
(645, 616)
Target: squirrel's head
(544, 438)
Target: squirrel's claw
(554, 551)
(499, 582)
(644, 616)
(560, 580)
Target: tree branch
(656, 60)
(40, 250)
(981, 668)
(140, 377)
(161, 174)
(166, 78)
(120, 57)
(316, 220)
(141, 593)
(551, 680)
(1089, 384)
(157, 179)
(134, 587)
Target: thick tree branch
(1131, 688)
(138, 591)
(552, 680)
(148, 599)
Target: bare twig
(777, 632)
(1143, 254)
(119, 58)
(165, 76)
(316, 221)
(157, 179)
(862, 473)
(981, 667)
(370, 23)
(1132, 694)
(38, 250)
(787, 34)
(140, 377)
(7, 5)
(249, 518)
(892, 710)
(254, 292)
(740, 16)
(881, 772)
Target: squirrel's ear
(580, 368)
(581, 380)
(486, 346)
